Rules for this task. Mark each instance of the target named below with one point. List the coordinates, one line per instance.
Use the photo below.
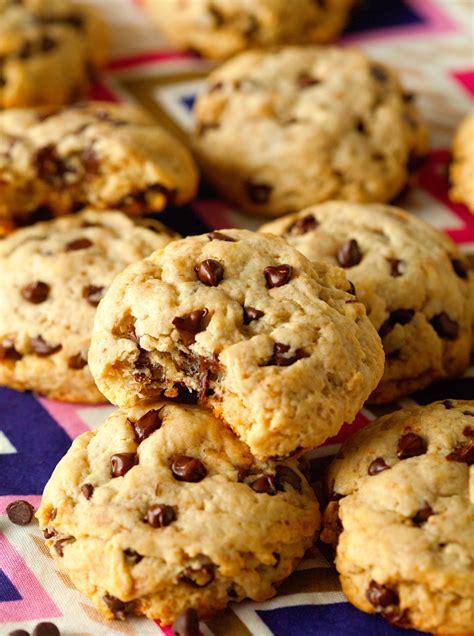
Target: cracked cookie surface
(462, 167)
(55, 161)
(279, 130)
(162, 509)
(52, 277)
(413, 280)
(50, 51)
(402, 517)
(257, 333)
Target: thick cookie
(223, 27)
(462, 167)
(248, 325)
(163, 509)
(52, 277)
(53, 162)
(400, 505)
(50, 51)
(412, 279)
(282, 129)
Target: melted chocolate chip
(377, 466)
(423, 515)
(43, 348)
(209, 272)
(281, 360)
(49, 165)
(305, 224)
(187, 624)
(147, 424)
(208, 370)
(265, 485)
(462, 454)
(87, 490)
(118, 608)
(444, 326)
(349, 254)
(410, 445)
(121, 463)
(395, 267)
(76, 362)
(133, 555)
(93, 294)
(90, 161)
(8, 351)
(251, 314)
(352, 289)
(459, 267)
(61, 543)
(381, 595)
(78, 244)
(218, 236)
(49, 534)
(36, 292)
(278, 275)
(20, 512)
(468, 431)
(378, 73)
(305, 80)
(285, 475)
(448, 404)
(190, 469)
(397, 317)
(258, 193)
(190, 324)
(197, 578)
(159, 516)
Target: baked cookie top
(400, 490)
(51, 51)
(263, 337)
(225, 27)
(282, 129)
(162, 509)
(462, 167)
(52, 277)
(413, 280)
(54, 161)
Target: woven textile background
(432, 44)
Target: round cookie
(52, 277)
(462, 167)
(162, 509)
(402, 518)
(112, 156)
(261, 336)
(282, 129)
(413, 280)
(223, 27)
(51, 51)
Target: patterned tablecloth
(431, 42)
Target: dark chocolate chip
(46, 629)
(265, 485)
(349, 254)
(43, 348)
(90, 161)
(18, 632)
(251, 314)
(76, 362)
(190, 324)
(281, 360)
(147, 369)
(459, 267)
(121, 463)
(378, 73)
(159, 516)
(305, 80)
(277, 275)
(397, 317)
(187, 624)
(377, 466)
(410, 445)
(395, 267)
(258, 193)
(468, 431)
(49, 165)
(381, 595)
(209, 272)
(422, 515)
(304, 225)
(448, 404)
(185, 468)
(49, 533)
(20, 512)
(36, 292)
(147, 424)
(462, 454)
(444, 326)
(133, 555)
(118, 608)
(352, 289)
(78, 244)
(285, 475)
(93, 294)
(61, 543)
(47, 44)
(8, 351)
(218, 236)
(87, 490)
(208, 370)
(197, 578)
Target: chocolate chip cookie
(221, 28)
(413, 280)
(162, 510)
(462, 167)
(402, 519)
(248, 326)
(113, 156)
(52, 277)
(50, 52)
(282, 129)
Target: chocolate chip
(25, 51)
(36, 292)
(408, 97)
(190, 324)
(133, 555)
(395, 267)
(49, 533)
(90, 161)
(265, 485)
(422, 515)
(87, 490)
(147, 369)
(47, 44)
(209, 272)
(251, 314)
(147, 424)
(218, 236)
(46, 629)
(121, 463)
(468, 431)
(378, 73)
(285, 475)
(93, 294)
(397, 317)
(78, 244)
(381, 595)
(197, 578)
(377, 466)
(399, 619)
(258, 193)
(281, 360)
(8, 351)
(49, 165)
(459, 267)
(410, 445)
(208, 370)
(118, 608)
(277, 275)
(76, 362)
(20, 512)
(18, 632)
(352, 289)
(43, 348)
(60, 543)
(305, 80)
(187, 624)
(349, 254)
(159, 516)
(304, 225)
(462, 454)
(185, 468)
(448, 404)
(444, 326)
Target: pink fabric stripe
(347, 430)
(166, 55)
(65, 414)
(213, 213)
(34, 500)
(466, 79)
